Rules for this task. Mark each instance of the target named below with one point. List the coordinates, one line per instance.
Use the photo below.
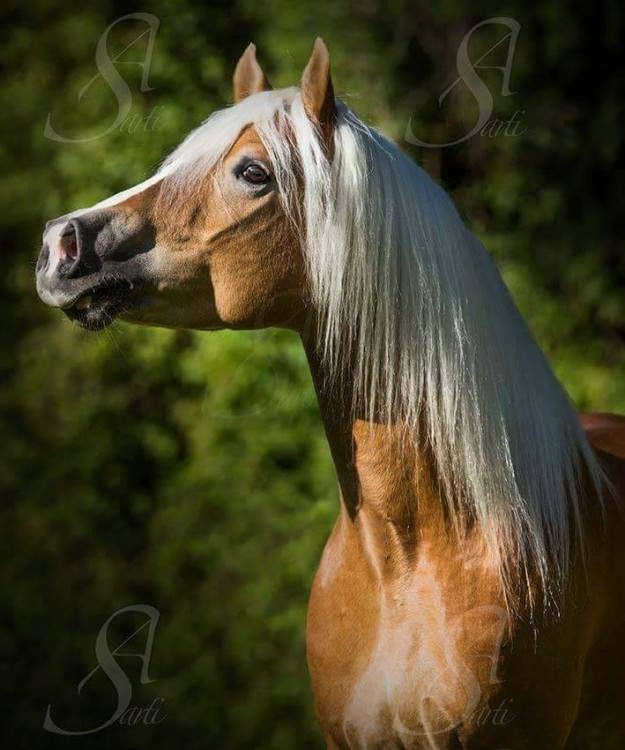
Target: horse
(470, 594)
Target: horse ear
(248, 76)
(317, 90)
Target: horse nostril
(69, 243)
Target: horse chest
(396, 663)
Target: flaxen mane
(440, 346)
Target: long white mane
(412, 302)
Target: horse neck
(388, 491)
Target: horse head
(211, 240)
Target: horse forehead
(248, 139)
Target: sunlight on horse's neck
(386, 484)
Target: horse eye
(255, 174)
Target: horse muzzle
(93, 264)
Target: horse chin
(98, 307)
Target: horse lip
(98, 306)
(101, 286)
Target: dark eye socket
(255, 174)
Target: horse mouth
(97, 307)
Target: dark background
(190, 471)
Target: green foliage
(190, 471)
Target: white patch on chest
(417, 686)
